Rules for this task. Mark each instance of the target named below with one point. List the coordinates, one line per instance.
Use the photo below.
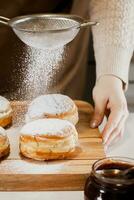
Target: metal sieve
(46, 30)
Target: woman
(113, 43)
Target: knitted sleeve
(114, 37)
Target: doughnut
(5, 112)
(52, 106)
(48, 139)
(4, 143)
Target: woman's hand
(109, 100)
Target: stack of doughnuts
(5, 120)
(49, 132)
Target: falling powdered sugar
(35, 73)
(40, 72)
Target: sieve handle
(89, 23)
(4, 20)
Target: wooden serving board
(21, 174)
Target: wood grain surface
(21, 174)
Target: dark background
(11, 48)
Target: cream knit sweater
(114, 37)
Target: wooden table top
(21, 174)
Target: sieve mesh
(45, 24)
(46, 32)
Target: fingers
(98, 113)
(109, 97)
(116, 118)
(115, 139)
(117, 133)
(118, 137)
